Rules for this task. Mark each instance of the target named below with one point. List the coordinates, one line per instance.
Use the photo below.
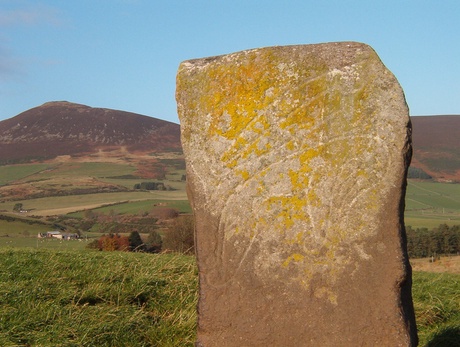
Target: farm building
(58, 235)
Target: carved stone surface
(296, 161)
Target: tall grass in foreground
(436, 299)
(85, 298)
(62, 298)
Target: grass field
(90, 298)
(21, 229)
(10, 173)
(137, 207)
(449, 264)
(67, 204)
(16, 234)
(429, 204)
(95, 169)
(62, 298)
(65, 177)
(43, 244)
(436, 293)
(58, 293)
(436, 299)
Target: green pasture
(120, 172)
(175, 175)
(123, 182)
(10, 173)
(84, 201)
(171, 180)
(416, 220)
(429, 204)
(139, 207)
(90, 298)
(20, 234)
(174, 182)
(35, 242)
(21, 229)
(89, 169)
(436, 298)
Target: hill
(436, 146)
(63, 131)
(63, 128)
(63, 148)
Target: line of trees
(415, 172)
(152, 186)
(422, 243)
(131, 243)
(178, 237)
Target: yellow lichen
(244, 174)
(296, 257)
(257, 107)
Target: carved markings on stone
(294, 155)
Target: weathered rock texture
(296, 161)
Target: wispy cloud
(22, 14)
(31, 15)
(9, 65)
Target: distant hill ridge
(436, 146)
(64, 128)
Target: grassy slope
(137, 207)
(66, 177)
(21, 229)
(436, 293)
(9, 173)
(437, 307)
(429, 204)
(58, 298)
(67, 204)
(63, 298)
(33, 242)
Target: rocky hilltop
(63, 128)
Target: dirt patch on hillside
(444, 264)
(104, 155)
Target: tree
(89, 214)
(17, 207)
(164, 213)
(444, 239)
(135, 242)
(154, 242)
(107, 243)
(180, 235)
(423, 243)
(113, 242)
(122, 243)
(148, 185)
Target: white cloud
(30, 15)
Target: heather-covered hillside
(57, 129)
(64, 128)
(436, 145)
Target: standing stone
(296, 170)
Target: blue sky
(124, 54)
